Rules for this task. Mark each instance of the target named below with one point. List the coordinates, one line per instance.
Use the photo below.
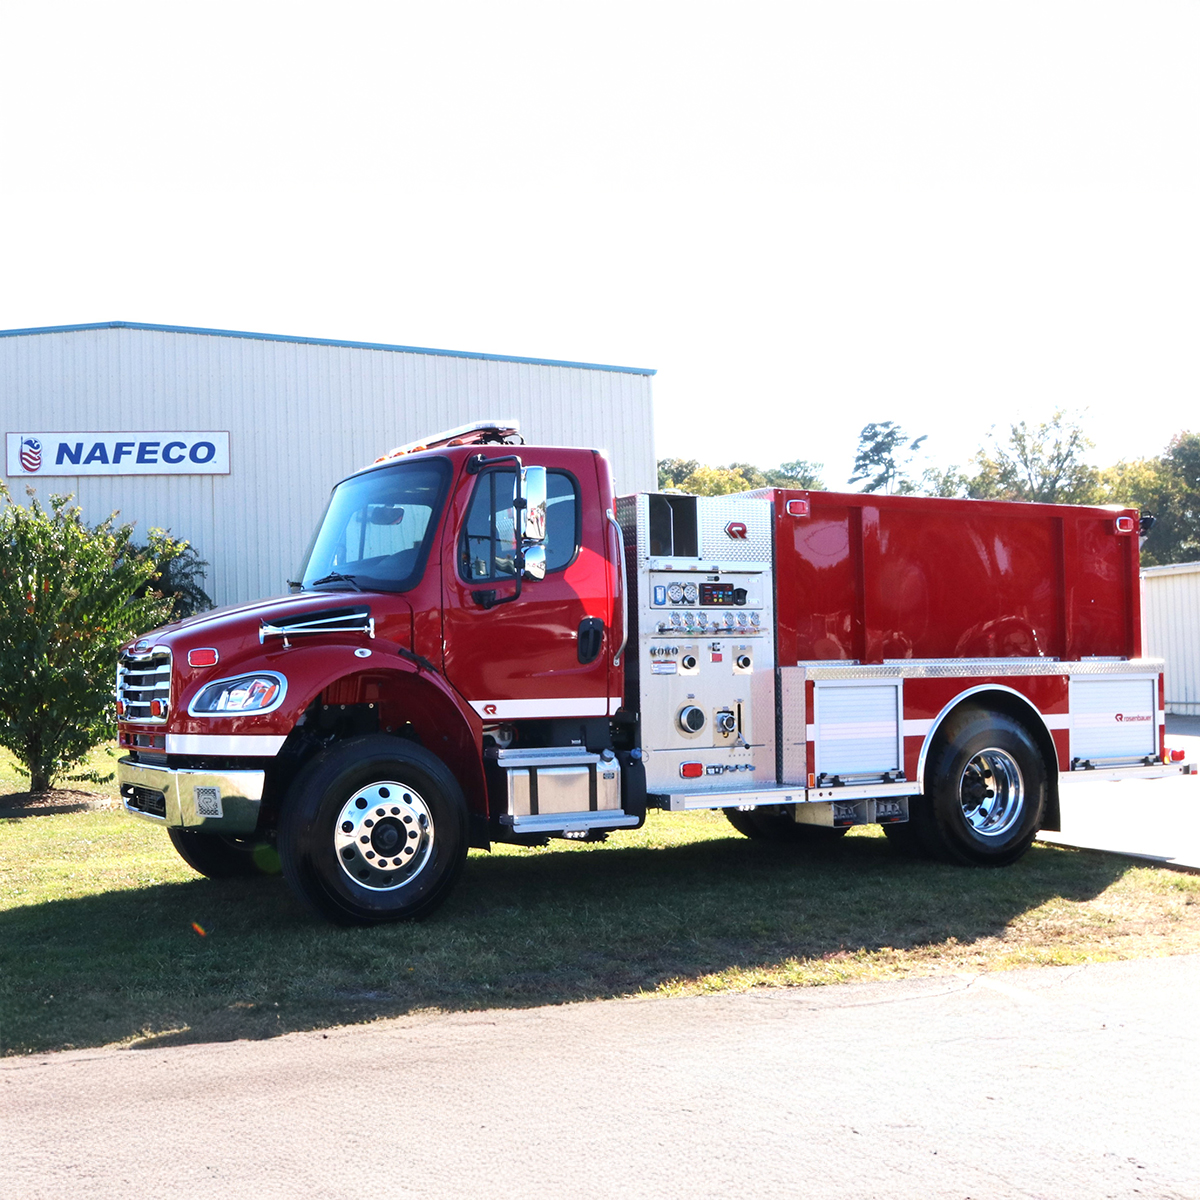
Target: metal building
(1171, 623)
(233, 440)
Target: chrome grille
(142, 678)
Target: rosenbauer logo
(737, 530)
(31, 454)
(1128, 718)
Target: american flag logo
(31, 454)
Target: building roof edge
(315, 341)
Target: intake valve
(691, 719)
(726, 723)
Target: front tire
(373, 830)
(986, 788)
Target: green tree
(673, 471)
(715, 481)
(884, 453)
(688, 475)
(800, 473)
(67, 601)
(1044, 463)
(1169, 487)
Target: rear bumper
(212, 801)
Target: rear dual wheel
(774, 823)
(986, 789)
(373, 830)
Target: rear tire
(222, 857)
(772, 823)
(985, 791)
(373, 830)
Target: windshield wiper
(337, 577)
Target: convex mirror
(534, 566)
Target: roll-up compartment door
(1113, 718)
(857, 727)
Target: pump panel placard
(152, 453)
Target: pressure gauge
(675, 593)
(690, 593)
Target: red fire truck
(486, 644)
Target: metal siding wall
(1171, 599)
(299, 416)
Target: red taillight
(1178, 755)
(691, 770)
(798, 508)
(206, 656)
(158, 708)
(1124, 524)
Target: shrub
(68, 599)
(180, 580)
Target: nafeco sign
(154, 453)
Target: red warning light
(691, 770)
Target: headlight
(261, 692)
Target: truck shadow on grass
(211, 961)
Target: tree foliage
(1169, 487)
(68, 599)
(883, 458)
(1044, 463)
(688, 475)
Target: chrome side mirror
(533, 488)
(534, 565)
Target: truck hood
(237, 626)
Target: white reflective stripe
(1110, 720)
(245, 745)
(841, 731)
(512, 710)
(917, 727)
(1057, 720)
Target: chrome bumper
(215, 801)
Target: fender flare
(467, 768)
(1041, 732)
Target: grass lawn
(98, 938)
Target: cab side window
(488, 546)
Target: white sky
(806, 216)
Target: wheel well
(396, 703)
(1012, 704)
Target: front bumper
(212, 801)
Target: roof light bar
(475, 433)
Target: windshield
(378, 528)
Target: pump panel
(706, 658)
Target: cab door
(546, 653)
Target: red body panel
(510, 659)
(869, 578)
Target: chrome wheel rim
(384, 835)
(991, 791)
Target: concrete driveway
(1053, 1082)
(1153, 819)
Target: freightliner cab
(487, 644)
